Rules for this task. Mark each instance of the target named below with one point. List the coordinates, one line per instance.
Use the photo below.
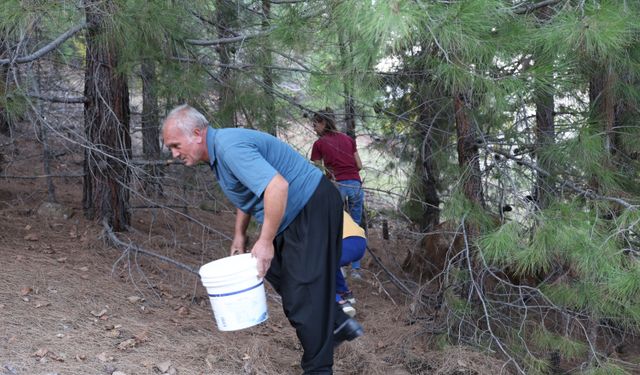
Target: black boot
(349, 330)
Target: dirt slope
(70, 303)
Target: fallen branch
(156, 162)
(393, 277)
(155, 206)
(128, 246)
(40, 176)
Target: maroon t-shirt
(337, 153)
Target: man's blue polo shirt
(246, 160)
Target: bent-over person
(299, 245)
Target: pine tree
(106, 115)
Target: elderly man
(301, 214)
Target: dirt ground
(72, 303)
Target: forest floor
(72, 303)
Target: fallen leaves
(104, 357)
(134, 299)
(136, 340)
(114, 333)
(183, 311)
(43, 353)
(165, 368)
(25, 295)
(127, 344)
(141, 337)
(98, 314)
(113, 330)
(211, 360)
(32, 237)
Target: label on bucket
(239, 309)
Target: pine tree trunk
(426, 170)
(545, 138)
(43, 137)
(349, 114)
(625, 111)
(150, 119)
(5, 127)
(468, 156)
(602, 101)
(150, 127)
(267, 75)
(602, 105)
(226, 17)
(543, 189)
(349, 108)
(106, 116)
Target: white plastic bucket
(236, 293)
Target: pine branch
(528, 8)
(291, 58)
(245, 66)
(288, 1)
(131, 246)
(229, 40)
(156, 206)
(72, 100)
(156, 162)
(40, 176)
(590, 194)
(481, 297)
(46, 49)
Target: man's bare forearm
(242, 222)
(275, 203)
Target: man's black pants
(303, 272)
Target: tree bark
(5, 127)
(626, 111)
(226, 17)
(150, 127)
(544, 188)
(426, 169)
(602, 100)
(602, 105)
(267, 75)
(349, 108)
(150, 118)
(468, 156)
(106, 117)
(44, 137)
